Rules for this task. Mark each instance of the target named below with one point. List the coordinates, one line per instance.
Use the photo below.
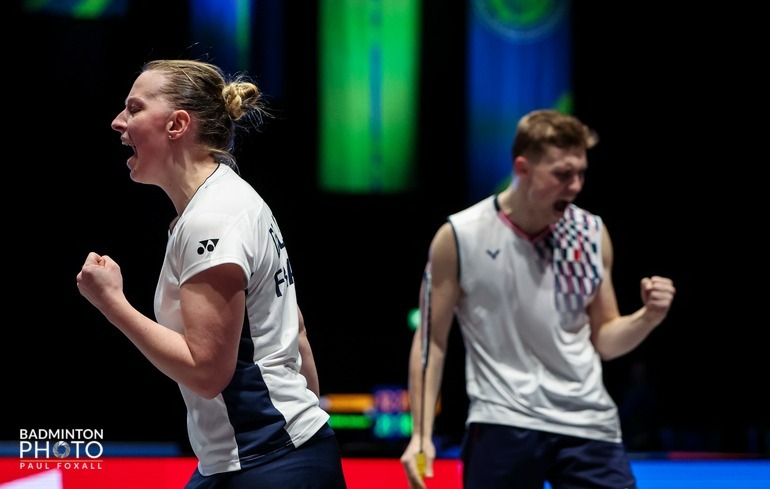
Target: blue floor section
(701, 474)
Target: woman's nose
(118, 123)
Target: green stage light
(393, 425)
(368, 95)
(350, 421)
(78, 9)
(413, 319)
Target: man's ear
(520, 166)
(178, 124)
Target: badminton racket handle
(421, 464)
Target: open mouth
(126, 143)
(133, 152)
(561, 205)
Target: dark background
(673, 177)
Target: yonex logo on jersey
(207, 245)
(493, 254)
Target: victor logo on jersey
(493, 254)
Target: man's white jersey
(522, 312)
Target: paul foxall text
(90, 465)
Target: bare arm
(308, 369)
(444, 296)
(614, 335)
(203, 357)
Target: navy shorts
(314, 465)
(497, 457)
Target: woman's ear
(178, 124)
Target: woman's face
(144, 126)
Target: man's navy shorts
(497, 456)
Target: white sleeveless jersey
(522, 313)
(266, 409)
